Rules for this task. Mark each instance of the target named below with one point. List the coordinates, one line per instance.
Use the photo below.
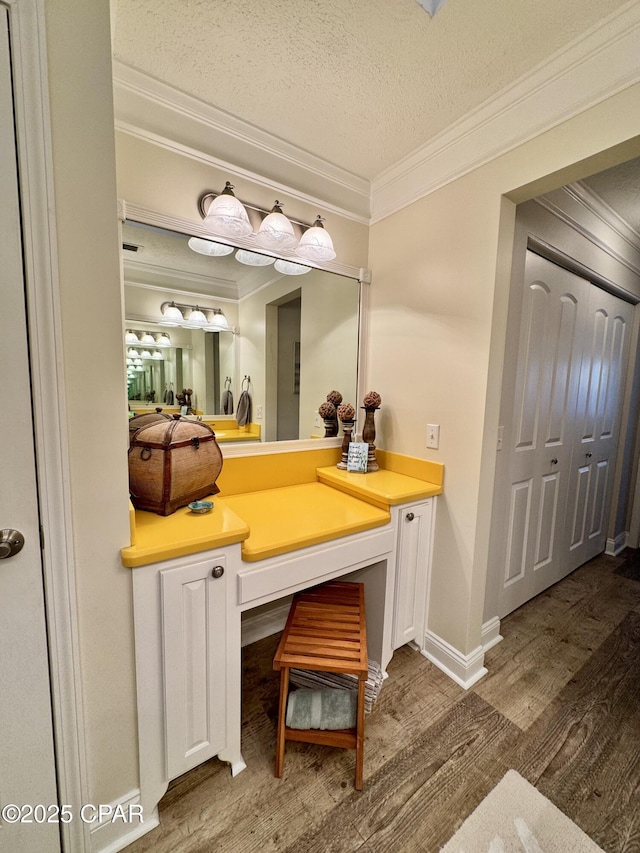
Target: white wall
(78, 45)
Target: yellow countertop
(155, 537)
(382, 488)
(292, 517)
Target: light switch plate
(433, 436)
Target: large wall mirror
(286, 339)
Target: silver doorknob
(409, 516)
(217, 572)
(11, 541)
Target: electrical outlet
(259, 412)
(433, 436)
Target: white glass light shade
(139, 368)
(145, 354)
(156, 354)
(316, 243)
(289, 268)
(196, 320)
(147, 338)
(276, 232)
(137, 362)
(253, 259)
(133, 353)
(131, 337)
(171, 315)
(219, 323)
(129, 362)
(226, 216)
(206, 247)
(163, 340)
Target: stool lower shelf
(326, 631)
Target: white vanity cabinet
(187, 631)
(414, 526)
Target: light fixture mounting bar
(206, 198)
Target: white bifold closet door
(573, 352)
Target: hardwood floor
(561, 705)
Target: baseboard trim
(616, 546)
(490, 635)
(465, 670)
(263, 624)
(116, 825)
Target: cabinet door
(193, 638)
(412, 573)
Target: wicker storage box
(172, 463)
(139, 421)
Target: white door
(596, 426)
(554, 315)
(573, 351)
(27, 767)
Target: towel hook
(246, 379)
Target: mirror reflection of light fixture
(226, 215)
(145, 354)
(316, 243)
(276, 232)
(131, 337)
(253, 259)
(133, 353)
(208, 319)
(138, 368)
(206, 247)
(163, 340)
(289, 268)
(156, 354)
(148, 338)
(171, 315)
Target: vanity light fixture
(156, 354)
(147, 338)
(226, 215)
(276, 232)
(163, 340)
(316, 243)
(171, 315)
(131, 337)
(253, 259)
(207, 247)
(289, 268)
(133, 353)
(222, 215)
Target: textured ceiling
(359, 83)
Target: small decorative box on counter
(171, 463)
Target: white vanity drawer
(279, 576)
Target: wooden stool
(325, 631)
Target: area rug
(516, 818)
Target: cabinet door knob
(409, 516)
(217, 572)
(554, 461)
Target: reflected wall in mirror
(294, 337)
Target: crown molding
(156, 112)
(599, 64)
(560, 205)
